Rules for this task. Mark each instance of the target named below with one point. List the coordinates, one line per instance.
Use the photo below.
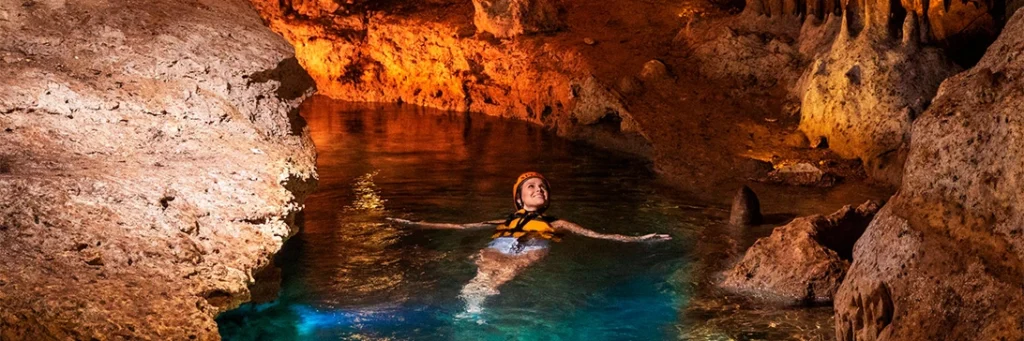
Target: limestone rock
(150, 165)
(406, 58)
(778, 8)
(759, 60)
(797, 139)
(509, 18)
(805, 260)
(630, 85)
(948, 247)
(654, 70)
(849, 97)
(802, 174)
(746, 209)
(961, 27)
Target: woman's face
(534, 194)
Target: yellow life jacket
(528, 224)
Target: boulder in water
(746, 209)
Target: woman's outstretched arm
(446, 226)
(580, 230)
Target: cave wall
(150, 161)
(963, 28)
(437, 58)
(945, 258)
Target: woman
(520, 240)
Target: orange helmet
(519, 183)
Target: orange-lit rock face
(437, 63)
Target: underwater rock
(803, 261)
(746, 209)
(948, 246)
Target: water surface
(351, 275)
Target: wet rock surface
(947, 250)
(149, 164)
(805, 260)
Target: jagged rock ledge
(151, 160)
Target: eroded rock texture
(805, 260)
(148, 165)
(509, 18)
(432, 58)
(945, 259)
(864, 93)
(962, 27)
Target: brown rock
(746, 209)
(630, 85)
(509, 18)
(805, 260)
(947, 248)
(802, 174)
(654, 70)
(796, 139)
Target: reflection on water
(349, 274)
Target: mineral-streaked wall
(148, 164)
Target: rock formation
(509, 18)
(431, 59)
(149, 165)
(805, 260)
(746, 209)
(962, 27)
(945, 258)
(866, 91)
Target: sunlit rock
(149, 165)
(951, 237)
(805, 260)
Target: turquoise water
(351, 275)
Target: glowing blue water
(350, 275)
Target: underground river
(351, 275)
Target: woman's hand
(653, 237)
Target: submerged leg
(494, 269)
